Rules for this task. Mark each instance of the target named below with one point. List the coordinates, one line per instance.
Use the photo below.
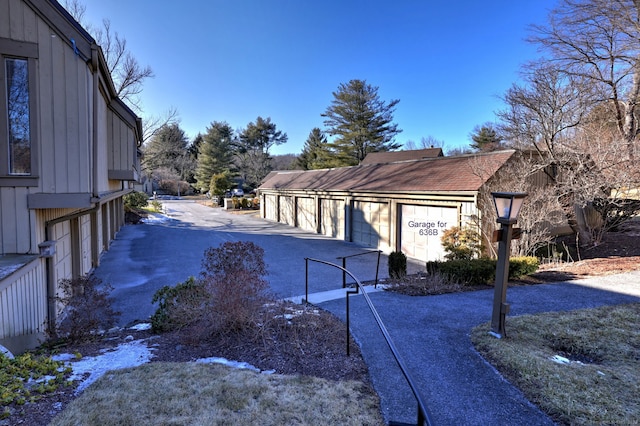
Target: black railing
(424, 416)
(344, 265)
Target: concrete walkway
(432, 336)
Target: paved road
(168, 250)
(431, 333)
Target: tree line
(222, 158)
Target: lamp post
(507, 207)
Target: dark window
(18, 128)
(18, 112)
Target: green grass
(212, 394)
(601, 384)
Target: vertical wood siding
(23, 301)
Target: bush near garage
(135, 201)
(224, 298)
(482, 271)
(397, 265)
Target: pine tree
(214, 153)
(361, 122)
(316, 153)
(251, 153)
(485, 138)
(167, 150)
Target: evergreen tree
(168, 149)
(316, 153)
(361, 121)
(485, 138)
(252, 150)
(214, 153)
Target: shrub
(87, 308)
(468, 272)
(397, 264)
(233, 277)
(156, 205)
(178, 306)
(26, 378)
(244, 203)
(226, 297)
(523, 265)
(135, 200)
(482, 271)
(460, 243)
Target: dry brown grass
(601, 383)
(210, 394)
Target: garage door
(370, 224)
(306, 213)
(270, 207)
(332, 218)
(286, 210)
(421, 229)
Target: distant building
(393, 201)
(69, 154)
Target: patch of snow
(88, 370)
(234, 364)
(141, 327)
(560, 359)
(156, 218)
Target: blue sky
(234, 60)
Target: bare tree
(543, 112)
(541, 214)
(425, 142)
(126, 72)
(599, 41)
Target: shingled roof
(456, 173)
(391, 156)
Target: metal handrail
(424, 417)
(344, 265)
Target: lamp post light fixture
(507, 207)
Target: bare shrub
(232, 276)
(87, 309)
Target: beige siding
(64, 113)
(17, 21)
(85, 245)
(16, 221)
(104, 135)
(23, 301)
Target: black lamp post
(507, 207)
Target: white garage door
(421, 229)
(270, 207)
(306, 214)
(286, 210)
(370, 224)
(332, 218)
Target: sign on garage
(421, 229)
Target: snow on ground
(156, 218)
(133, 353)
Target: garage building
(386, 204)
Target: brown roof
(457, 173)
(391, 156)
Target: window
(18, 112)
(18, 159)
